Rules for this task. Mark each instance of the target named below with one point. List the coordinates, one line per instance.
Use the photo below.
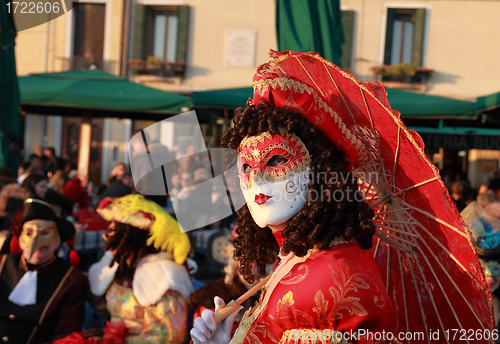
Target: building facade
(196, 45)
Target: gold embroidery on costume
(346, 282)
(245, 324)
(283, 304)
(295, 279)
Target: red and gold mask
(274, 176)
(257, 153)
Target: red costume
(335, 290)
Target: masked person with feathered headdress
(42, 297)
(142, 273)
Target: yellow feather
(165, 232)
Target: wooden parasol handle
(234, 305)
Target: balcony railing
(85, 63)
(156, 67)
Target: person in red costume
(304, 206)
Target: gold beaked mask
(36, 234)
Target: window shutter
(418, 37)
(140, 32)
(388, 35)
(348, 27)
(182, 33)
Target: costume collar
(279, 239)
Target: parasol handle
(234, 305)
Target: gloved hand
(206, 331)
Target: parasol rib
(442, 290)
(440, 244)
(431, 296)
(446, 271)
(419, 297)
(434, 218)
(399, 231)
(414, 186)
(391, 211)
(374, 131)
(350, 112)
(388, 268)
(404, 289)
(376, 247)
(396, 156)
(391, 241)
(310, 77)
(388, 221)
(392, 236)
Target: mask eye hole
(247, 168)
(28, 232)
(277, 160)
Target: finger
(208, 320)
(219, 303)
(200, 325)
(197, 336)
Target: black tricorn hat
(35, 209)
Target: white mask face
(273, 203)
(274, 176)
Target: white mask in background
(274, 176)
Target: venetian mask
(274, 176)
(39, 240)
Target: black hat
(35, 209)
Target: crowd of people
(143, 241)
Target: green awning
(411, 105)
(420, 106)
(487, 103)
(96, 90)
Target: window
(404, 36)
(163, 35)
(88, 37)
(160, 36)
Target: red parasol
(423, 249)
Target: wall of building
(41, 49)
(209, 21)
(459, 43)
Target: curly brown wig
(130, 245)
(322, 219)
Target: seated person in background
(37, 185)
(58, 180)
(459, 192)
(74, 191)
(142, 273)
(12, 198)
(487, 242)
(116, 173)
(41, 296)
(121, 187)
